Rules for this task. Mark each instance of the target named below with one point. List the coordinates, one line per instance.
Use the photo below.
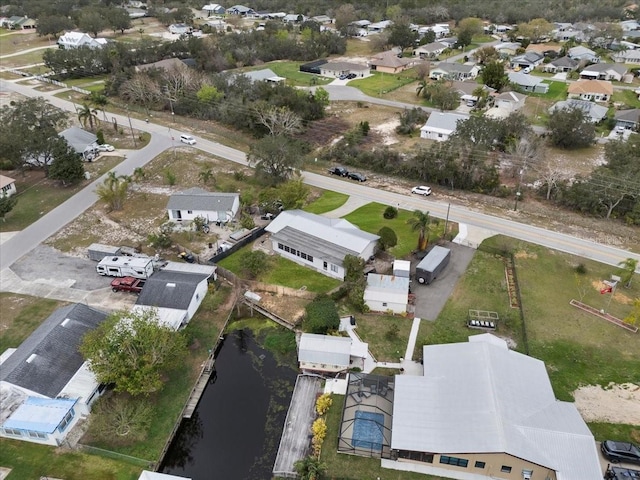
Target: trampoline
(368, 430)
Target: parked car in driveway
(343, 172)
(357, 176)
(620, 452)
(105, 147)
(421, 190)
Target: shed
(324, 353)
(386, 292)
(97, 251)
(401, 268)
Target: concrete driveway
(430, 299)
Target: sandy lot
(613, 404)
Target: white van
(188, 139)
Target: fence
(116, 455)
(257, 233)
(45, 79)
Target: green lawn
(326, 202)
(627, 97)
(284, 272)
(24, 59)
(557, 91)
(30, 461)
(375, 330)
(369, 218)
(379, 83)
(291, 71)
(577, 348)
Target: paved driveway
(431, 298)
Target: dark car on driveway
(620, 452)
(343, 172)
(357, 176)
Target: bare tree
(423, 70)
(278, 120)
(179, 80)
(550, 172)
(142, 89)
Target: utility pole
(135, 144)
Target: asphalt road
(35, 234)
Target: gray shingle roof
(455, 67)
(632, 115)
(604, 67)
(565, 62)
(55, 347)
(199, 199)
(592, 110)
(78, 138)
(445, 120)
(170, 289)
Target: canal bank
(235, 430)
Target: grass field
(291, 71)
(379, 84)
(14, 42)
(369, 218)
(30, 461)
(577, 348)
(28, 58)
(326, 202)
(627, 97)
(284, 272)
(376, 331)
(557, 91)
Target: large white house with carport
(318, 242)
(483, 411)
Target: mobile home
(125, 267)
(431, 265)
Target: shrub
(170, 177)
(246, 221)
(581, 269)
(321, 316)
(323, 403)
(388, 238)
(390, 213)
(100, 136)
(254, 263)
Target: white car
(188, 139)
(105, 147)
(421, 190)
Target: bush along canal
(235, 430)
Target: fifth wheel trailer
(431, 265)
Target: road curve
(29, 238)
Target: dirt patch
(613, 404)
(387, 130)
(523, 254)
(619, 296)
(289, 308)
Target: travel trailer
(125, 267)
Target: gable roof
(73, 37)
(590, 86)
(165, 289)
(265, 74)
(389, 288)
(524, 79)
(46, 361)
(322, 237)
(4, 181)
(431, 47)
(530, 57)
(166, 64)
(324, 349)
(580, 50)
(511, 97)
(565, 62)
(481, 397)
(605, 67)
(444, 122)
(78, 138)
(592, 110)
(454, 67)
(468, 87)
(632, 115)
(199, 199)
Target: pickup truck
(127, 284)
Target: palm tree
(628, 268)
(206, 175)
(309, 468)
(420, 223)
(100, 101)
(113, 190)
(422, 87)
(89, 115)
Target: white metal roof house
(263, 75)
(318, 242)
(528, 83)
(196, 202)
(176, 295)
(441, 125)
(214, 9)
(593, 112)
(336, 69)
(604, 71)
(80, 39)
(45, 384)
(179, 28)
(330, 354)
(385, 293)
(583, 53)
(241, 10)
(455, 71)
(7, 186)
(483, 411)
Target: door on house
(177, 214)
(324, 265)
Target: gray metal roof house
(441, 125)
(171, 292)
(83, 142)
(318, 242)
(196, 202)
(324, 352)
(485, 409)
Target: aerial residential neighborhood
(319, 241)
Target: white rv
(125, 267)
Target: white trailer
(125, 267)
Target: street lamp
(515, 207)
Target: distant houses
(79, 39)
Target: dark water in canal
(235, 431)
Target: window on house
(458, 462)
(66, 420)
(479, 464)
(280, 246)
(324, 265)
(37, 435)
(334, 268)
(189, 212)
(384, 304)
(505, 469)
(527, 474)
(14, 432)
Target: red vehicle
(127, 284)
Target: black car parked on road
(620, 452)
(357, 176)
(343, 172)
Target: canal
(235, 430)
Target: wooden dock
(272, 316)
(196, 393)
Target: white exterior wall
(8, 190)
(318, 263)
(197, 298)
(437, 135)
(382, 305)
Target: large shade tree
(133, 350)
(275, 158)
